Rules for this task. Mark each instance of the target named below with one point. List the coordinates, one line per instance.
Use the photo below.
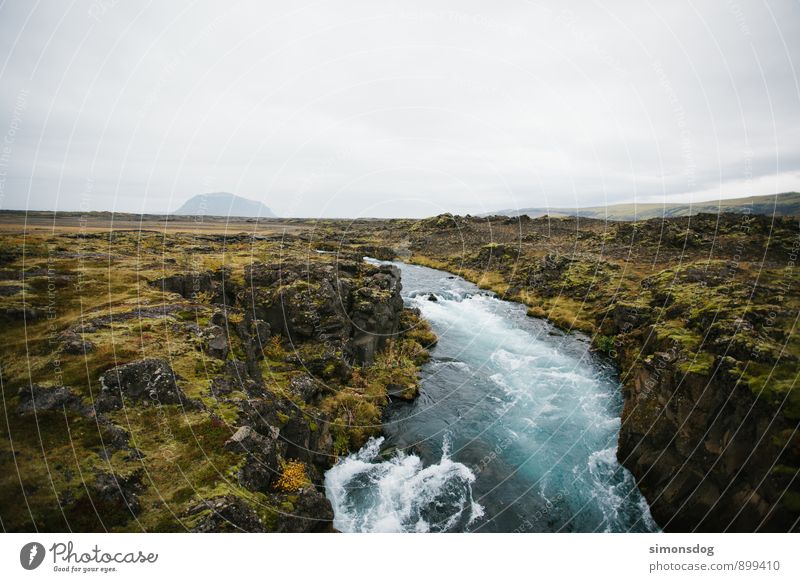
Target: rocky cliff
(700, 315)
(176, 391)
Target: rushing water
(515, 429)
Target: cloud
(397, 108)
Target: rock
(35, 399)
(216, 342)
(72, 343)
(246, 440)
(217, 284)
(8, 290)
(312, 512)
(376, 313)
(262, 462)
(149, 380)
(112, 491)
(254, 334)
(226, 514)
(693, 444)
(306, 387)
(259, 472)
(235, 377)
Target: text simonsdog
(696, 549)
(66, 553)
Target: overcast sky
(380, 108)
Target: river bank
(515, 429)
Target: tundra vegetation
(173, 381)
(166, 378)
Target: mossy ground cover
(99, 287)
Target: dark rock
(35, 399)
(226, 514)
(112, 491)
(376, 313)
(8, 290)
(149, 380)
(312, 512)
(306, 387)
(216, 342)
(246, 440)
(262, 463)
(72, 343)
(217, 284)
(254, 334)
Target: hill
(786, 204)
(223, 204)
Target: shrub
(293, 477)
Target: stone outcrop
(226, 513)
(216, 284)
(349, 312)
(706, 450)
(35, 399)
(150, 380)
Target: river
(514, 430)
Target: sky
(396, 108)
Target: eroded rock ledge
(217, 400)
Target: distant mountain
(785, 204)
(223, 204)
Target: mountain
(786, 204)
(223, 204)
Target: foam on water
(533, 418)
(400, 495)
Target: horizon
(387, 110)
(344, 217)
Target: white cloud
(407, 108)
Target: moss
(701, 363)
(604, 344)
(791, 501)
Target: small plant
(293, 477)
(274, 349)
(605, 344)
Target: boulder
(35, 399)
(227, 513)
(73, 343)
(306, 387)
(216, 342)
(148, 380)
(262, 461)
(311, 512)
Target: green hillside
(786, 204)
